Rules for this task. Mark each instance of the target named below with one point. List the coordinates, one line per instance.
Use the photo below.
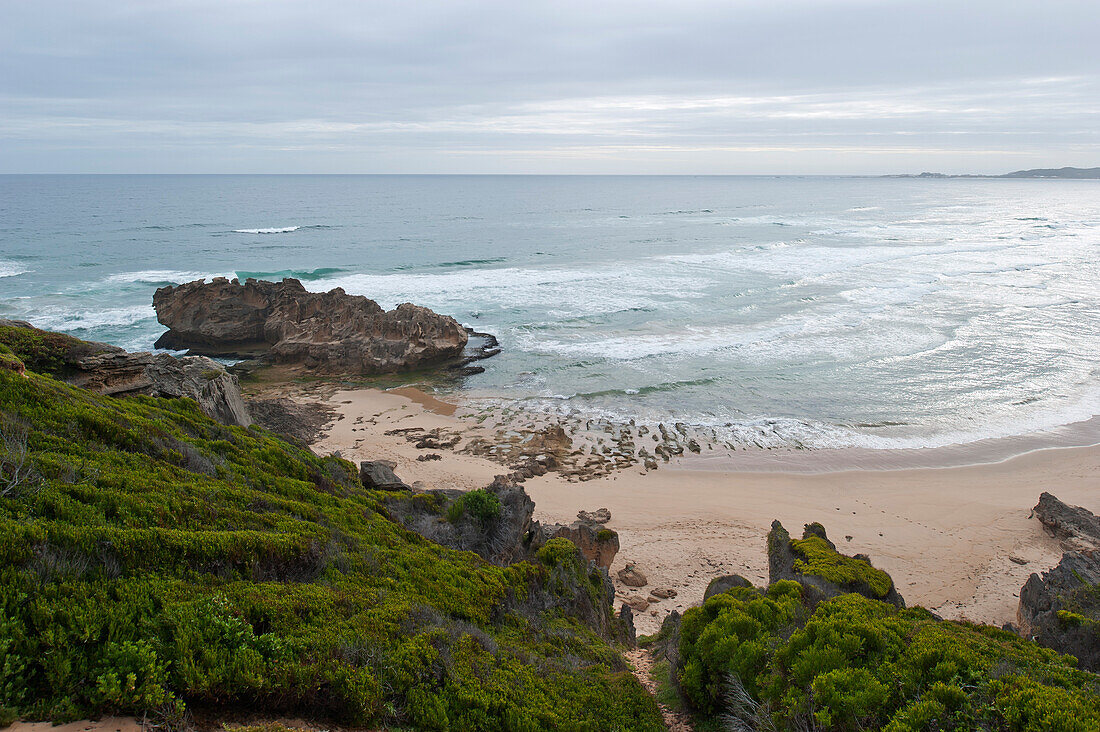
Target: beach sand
(957, 540)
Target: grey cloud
(547, 87)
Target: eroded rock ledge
(282, 322)
(110, 370)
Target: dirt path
(642, 663)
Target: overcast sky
(601, 86)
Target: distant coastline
(1066, 173)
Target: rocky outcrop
(1075, 527)
(595, 541)
(503, 535)
(282, 322)
(1061, 608)
(110, 370)
(823, 571)
(501, 530)
(718, 585)
(379, 475)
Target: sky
(564, 87)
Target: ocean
(777, 311)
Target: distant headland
(1073, 173)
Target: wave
(274, 230)
(83, 320)
(157, 277)
(298, 274)
(11, 269)
(471, 262)
(449, 265)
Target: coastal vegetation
(790, 658)
(158, 562)
(154, 561)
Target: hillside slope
(152, 559)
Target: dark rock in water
(488, 348)
(110, 370)
(331, 332)
(1061, 608)
(718, 585)
(294, 421)
(379, 475)
(823, 571)
(1075, 527)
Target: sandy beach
(958, 540)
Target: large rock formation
(823, 571)
(110, 370)
(330, 332)
(1061, 609)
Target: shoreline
(957, 539)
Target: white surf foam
(11, 269)
(91, 319)
(273, 230)
(158, 276)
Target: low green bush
(856, 663)
(166, 561)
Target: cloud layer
(801, 86)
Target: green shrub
(482, 505)
(557, 552)
(858, 663)
(165, 557)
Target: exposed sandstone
(282, 322)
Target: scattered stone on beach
(599, 516)
(631, 576)
(636, 603)
(663, 593)
(282, 322)
(429, 456)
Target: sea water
(780, 311)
